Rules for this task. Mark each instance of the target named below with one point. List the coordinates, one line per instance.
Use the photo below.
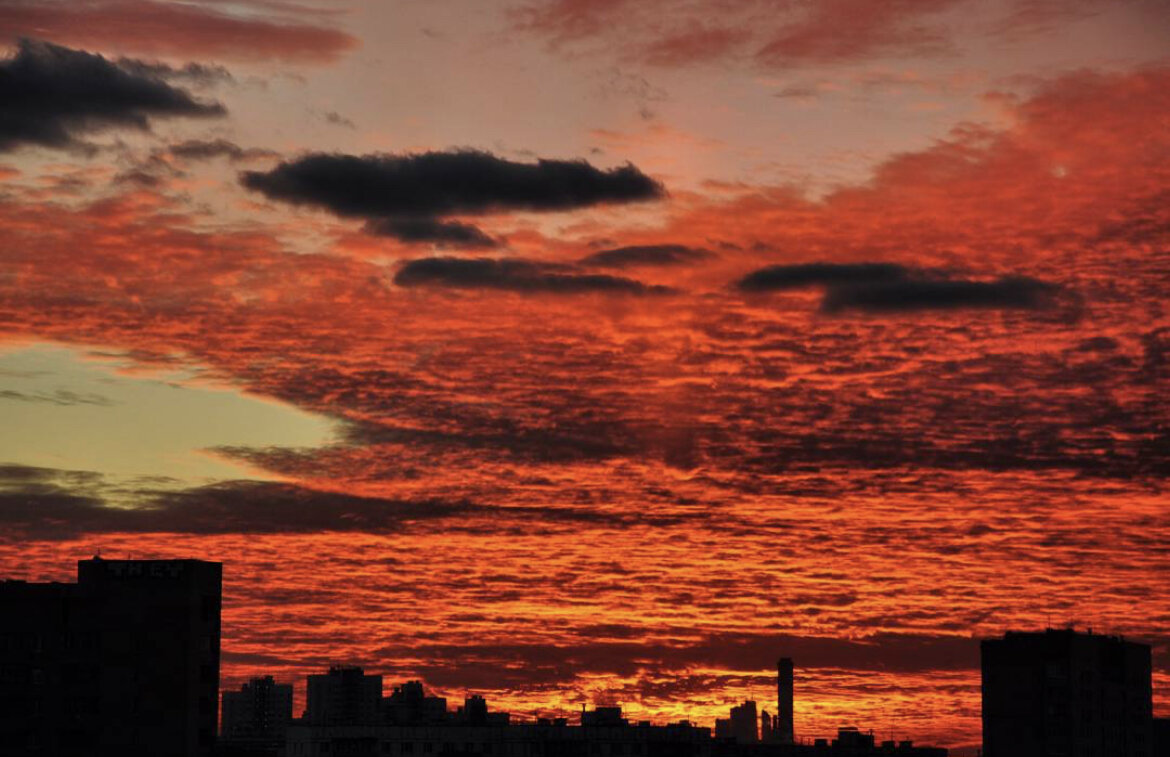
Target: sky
(600, 351)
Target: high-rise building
(410, 705)
(851, 739)
(344, 696)
(260, 711)
(606, 716)
(123, 662)
(744, 722)
(1060, 692)
(785, 730)
(1161, 737)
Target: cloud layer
(782, 37)
(515, 276)
(404, 195)
(156, 28)
(208, 149)
(636, 256)
(439, 233)
(52, 95)
(1018, 292)
(891, 287)
(797, 276)
(650, 498)
(44, 503)
(799, 33)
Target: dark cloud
(337, 119)
(514, 276)
(647, 255)
(1098, 344)
(41, 503)
(637, 88)
(199, 149)
(528, 664)
(46, 503)
(191, 73)
(52, 94)
(396, 189)
(781, 277)
(260, 506)
(441, 233)
(1009, 292)
(890, 287)
(443, 183)
(486, 434)
(21, 476)
(52, 514)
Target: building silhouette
(343, 696)
(416, 725)
(736, 735)
(409, 705)
(1060, 692)
(1161, 737)
(255, 718)
(475, 712)
(784, 728)
(743, 723)
(603, 717)
(123, 662)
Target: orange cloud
(172, 29)
(1084, 152)
(759, 33)
(704, 480)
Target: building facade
(526, 740)
(123, 662)
(784, 730)
(344, 696)
(744, 722)
(1060, 693)
(256, 717)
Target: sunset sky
(600, 351)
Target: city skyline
(127, 660)
(600, 350)
(66, 649)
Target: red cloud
(662, 33)
(1083, 153)
(778, 35)
(156, 27)
(848, 30)
(745, 465)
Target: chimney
(785, 731)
